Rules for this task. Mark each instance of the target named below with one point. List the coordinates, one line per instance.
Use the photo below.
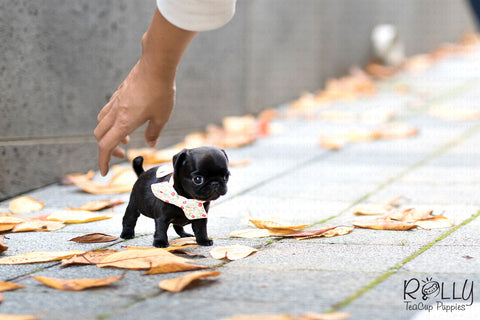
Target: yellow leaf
(338, 231)
(100, 205)
(90, 257)
(275, 224)
(410, 215)
(38, 257)
(38, 225)
(383, 224)
(25, 204)
(7, 286)
(234, 252)
(77, 216)
(178, 284)
(395, 130)
(180, 242)
(76, 284)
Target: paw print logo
(430, 288)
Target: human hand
(142, 97)
(146, 95)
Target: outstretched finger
(106, 146)
(152, 133)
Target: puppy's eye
(226, 177)
(198, 180)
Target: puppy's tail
(138, 165)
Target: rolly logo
(430, 288)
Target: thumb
(152, 133)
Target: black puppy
(200, 175)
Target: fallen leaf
(38, 225)
(5, 316)
(153, 156)
(155, 259)
(100, 205)
(337, 231)
(38, 257)
(3, 247)
(77, 216)
(250, 233)
(372, 209)
(85, 182)
(90, 257)
(7, 226)
(94, 238)
(76, 284)
(303, 233)
(7, 286)
(123, 177)
(275, 224)
(395, 130)
(180, 242)
(25, 204)
(435, 222)
(178, 284)
(383, 224)
(234, 252)
(410, 215)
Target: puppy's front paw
(205, 243)
(160, 243)
(127, 234)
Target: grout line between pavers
(394, 269)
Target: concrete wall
(60, 60)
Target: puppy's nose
(219, 188)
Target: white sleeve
(197, 15)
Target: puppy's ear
(226, 157)
(179, 159)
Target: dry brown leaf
(303, 233)
(250, 233)
(234, 252)
(38, 257)
(395, 130)
(90, 257)
(25, 204)
(178, 284)
(3, 247)
(7, 286)
(5, 316)
(410, 215)
(38, 225)
(275, 224)
(123, 177)
(337, 231)
(94, 238)
(181, 242)
(77, 216)
(85, 182)
(435, 222)
(155, 259)
(372, 209)
(76, 284)
(383, 224)
(98, 205)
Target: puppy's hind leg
(129, 221)
(181, 232)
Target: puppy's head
(201, 173)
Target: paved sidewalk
(291, 177)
